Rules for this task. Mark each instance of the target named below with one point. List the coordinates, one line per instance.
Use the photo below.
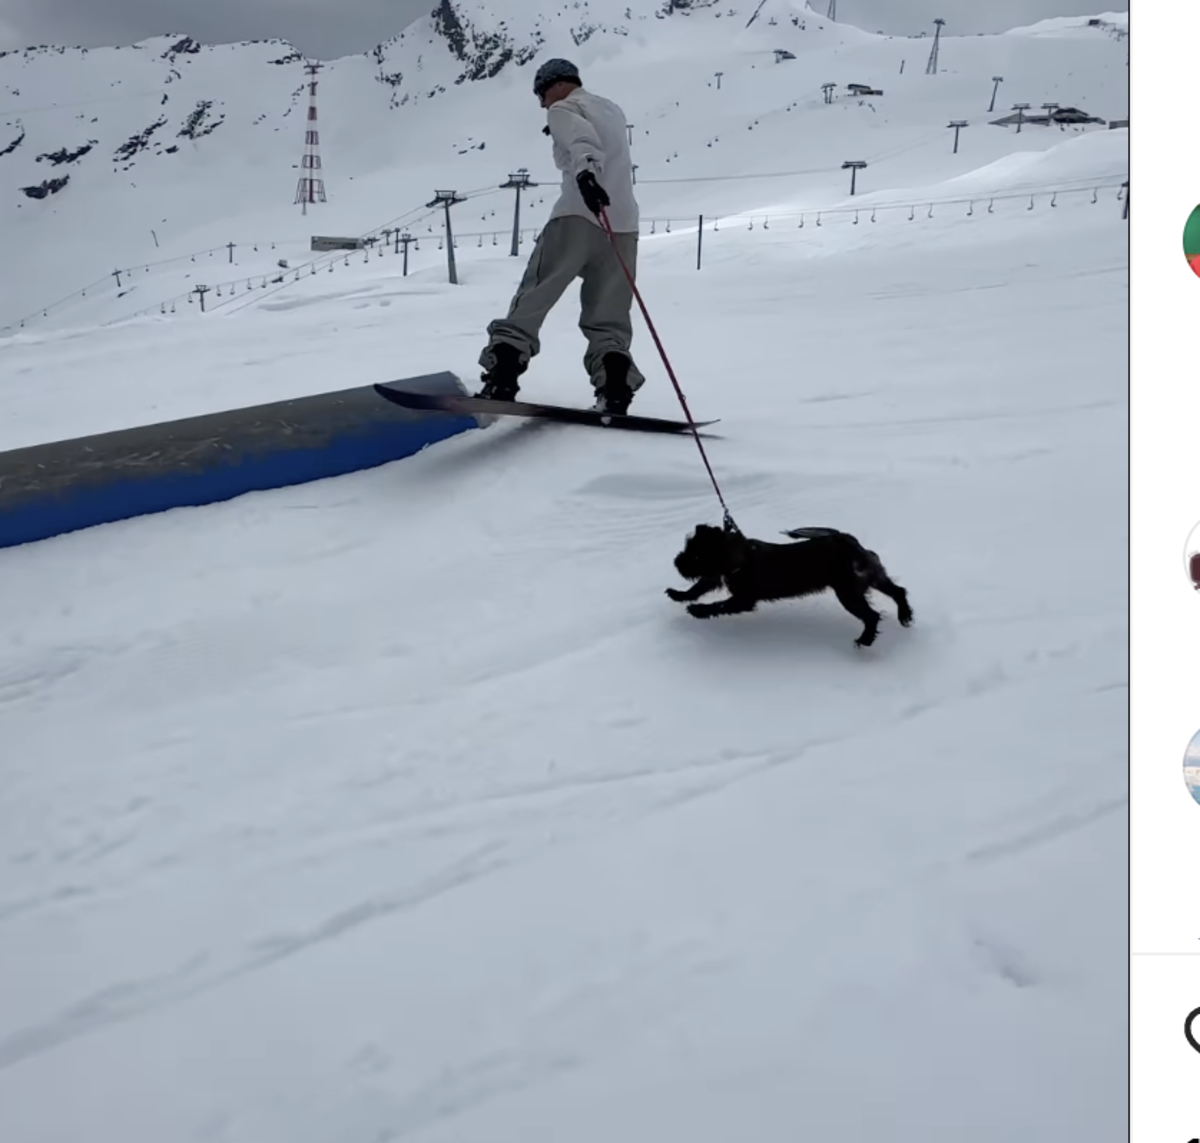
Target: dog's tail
(867, 564)
(812, 533)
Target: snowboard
(566, 414)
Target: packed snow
(405, 806)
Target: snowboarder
(590, 145)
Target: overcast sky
(316, 27)
(326, 30)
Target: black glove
(595, 197)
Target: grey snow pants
(571, 247)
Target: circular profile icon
(1191, 767)
(1188, 1030)
(1191, 550)
(1191, 240)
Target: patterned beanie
(551, 72)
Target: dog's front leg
(702, 586)
(734, 605)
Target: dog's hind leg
(702, 586)
(734, 605)
(872, 574)
(882, 583)
(855, 602)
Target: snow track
(405, 806)
(420, 770)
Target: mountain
(142, 154)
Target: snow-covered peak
(137, 155)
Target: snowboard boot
(500, 382)
(613, 395)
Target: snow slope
(405, 805)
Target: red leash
(670, 372)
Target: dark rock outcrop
(394, 80)
(55, 158)
(48, 187)
(185, 47)
(195, 126)
(483, 54)
(672, 6)
(138, 142)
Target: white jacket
(589, 133)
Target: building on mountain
(1060, 116)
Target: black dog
(755, 571)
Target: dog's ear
(719, 540)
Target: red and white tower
(311, 187)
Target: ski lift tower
(518, 182)
(447, 199)
(931, 66)
(853, 166)
(311, 187)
